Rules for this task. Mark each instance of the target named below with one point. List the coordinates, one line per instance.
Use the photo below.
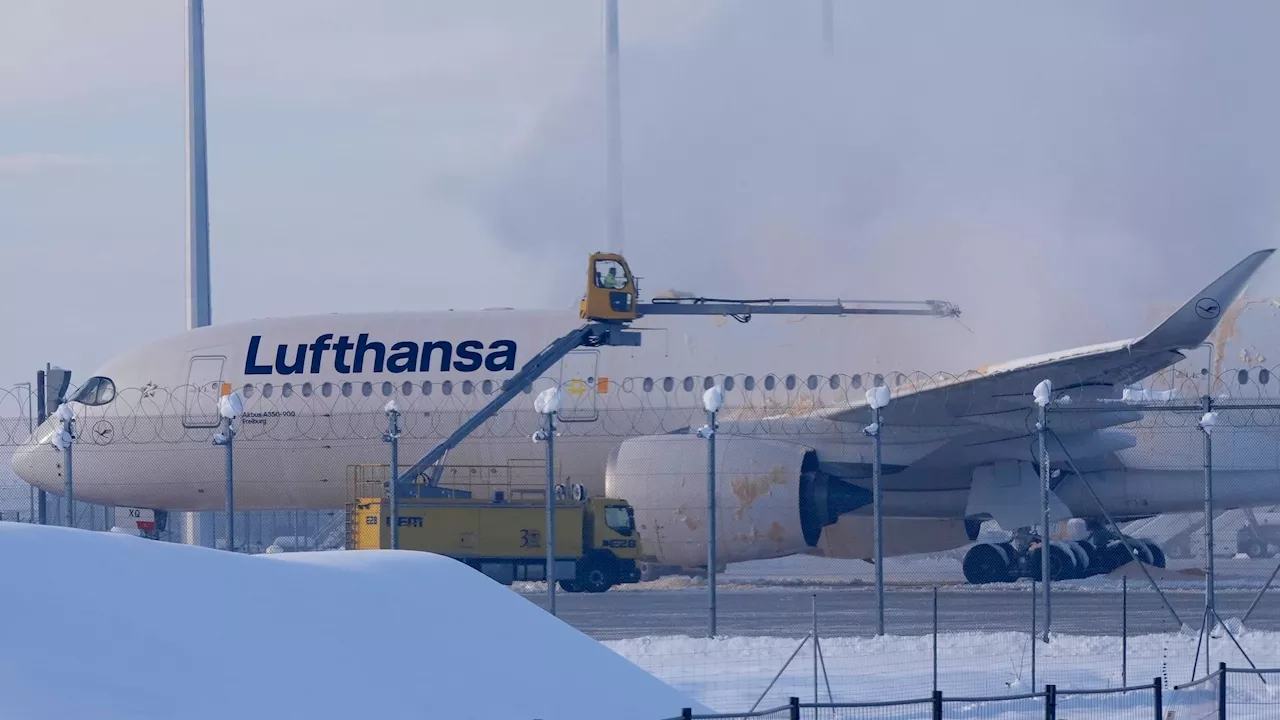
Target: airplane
(793, 477)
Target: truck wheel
(595, 575)
(568, 586)
(1255, 550)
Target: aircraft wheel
(1255, 550)
(987, 563)
(1062, 563)
(1157, 554)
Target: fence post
(1050, 702)
(1222, 691)
(229, 407)
(793, 705)
(1033, 634)
(937, 705)
(547, 404)
(63, 440)
(686, 714)
(1159, 699)
(935, 638)
(392, 436)
(1124, 632)
(712, 399)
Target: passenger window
(834, 382)
(247, 390)
(366, 388)
(855, 382)
(728, 383)
(749, 384)
(1242, 377)
(812, 382)
(879, 380)
(446, 387)
(648, 385)
(406, 389)
(287, 390)
(769, 382)
(486, 387)
(346, 389)
(466, 387)
(387, 389)
(791, 382)
(1264, 376)
(426, 387)
(668, 384)
(267, 390)
(708, 382)
(688, 384)
(306, 389)
(326, 389)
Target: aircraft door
(204, 380)
(578, 386)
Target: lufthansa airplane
(793, 477)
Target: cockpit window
(610, 274)
(620, 519)
(96, 390)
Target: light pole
(712, 400)
(392, 436)
(547, 404)
(1042, 395)
(878, 399)
(229, 407)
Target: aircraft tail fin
(1196, 320)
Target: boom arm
(785, 306)
(589, 335)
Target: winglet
(1192, 324)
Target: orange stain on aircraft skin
(748, 491)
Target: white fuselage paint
(297, 448)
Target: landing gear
(1100, 554)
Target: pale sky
(1063, 170)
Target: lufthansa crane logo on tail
(1208, 308)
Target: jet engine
(771, 498)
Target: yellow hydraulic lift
(609, 305)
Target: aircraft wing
(1001, 396)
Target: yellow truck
(596, 540)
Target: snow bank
(114, 626)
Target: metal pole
(198, 528)
(393, 487)
(613, 120)
(42, 499)
(711, 520)
(1124, 632)
(935, 638)
(69, 490)
(1033, 634)
(815, 648)
(1208, 519)
(878, 510)
(551, 512)
(231, 484)
(1045, 547)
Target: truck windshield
(620, 519)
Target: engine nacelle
(771, 499)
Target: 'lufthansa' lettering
(346, 355)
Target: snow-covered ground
(730, 674)
(113, 626)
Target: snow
(230, 406)
(391, 407)
(547, 402)
(878, 397)
(730, 673)
(65, 414)
(1208, 420)
(872, 429)
(308, 635)
(1042, 392)
(713, 399)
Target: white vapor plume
(1065, 172)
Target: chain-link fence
(795, 469)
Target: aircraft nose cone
(38, 464)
